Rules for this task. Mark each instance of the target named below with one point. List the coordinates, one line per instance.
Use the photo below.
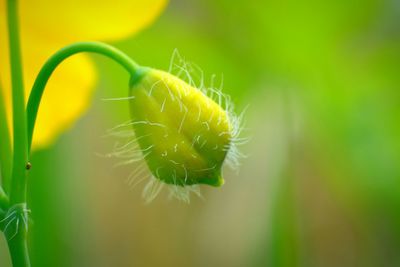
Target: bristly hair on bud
(183, 132)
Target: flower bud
(183, 134)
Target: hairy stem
(52, 63)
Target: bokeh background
(321, 184)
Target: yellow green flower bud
(184, 135)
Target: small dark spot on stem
(28, 166)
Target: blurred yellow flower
(48, 25)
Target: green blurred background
(321, 183)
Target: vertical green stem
(18, 183)
(17, 244)
(19, 251)
(5, 145)
(5, 153)
(4, 202)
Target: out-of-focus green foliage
(321, 77)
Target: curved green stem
(52, 63)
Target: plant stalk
(20, 144)
(18, 243)
(19, 250)
(5, 145)
(56, 59)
